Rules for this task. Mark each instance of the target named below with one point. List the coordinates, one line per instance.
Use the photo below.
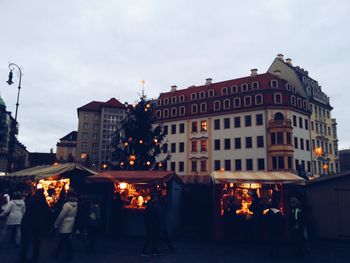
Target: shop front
(241, 199)
(125, 195)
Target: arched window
(255, 85)
(173, 112)
(234, 89)
(166, 113)
(237, 102)
(173, 100)
(274, 83)
(194, 108)
(258, 99)
(203, 107)
(226, 104)
(247, 101)
(244, 87)
(159, 114)
(182, 110)
(278, 116)
(217, 105)
(166, 101)
(224, 91)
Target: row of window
(224, 91)
(202, 125)
(219, 105)
(237, 122)
(327, 148)
(86, 136)
(86, 116)
(303, 123)
(237, 143)
(321, 128)
(96, 126)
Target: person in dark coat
(153, 226)
(163, 224)
(93, 224)
(297, 228)
(275, 225)
(34, 225)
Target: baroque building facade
(261, 122)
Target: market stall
(55, 179)
(125, 196)
(241, 198)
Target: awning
(49, 171)
(151, 177)
(256, 177)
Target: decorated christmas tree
(138, 140)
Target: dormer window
(182, 98)
(166, 101)
(193, 96)
(227, 104)
(182, 110)
(194, 108)
(258, 99)
(173, 100)
(244, 87)
(237, 102)
(292, 100)
(203, 107)
(278, 98)
(173, 112)
(202, 95)
(293, 89)
(288, 87)
(166, 113)
(274, 83)
(305, 105)
(224, 91)
(247, 101)
(159, 102)
(255, 85)
(211, 93)
(159, 114)
(299, 102)
(235, 89)
(217, 105)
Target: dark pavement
(191, 251)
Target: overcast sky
(75, 51)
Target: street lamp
(12, 67)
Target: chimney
(254, 72)
(277, 72)
(173, 88)
(289, 61)
(208, 81)
(280, 56)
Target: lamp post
(12, 67)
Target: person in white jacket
(64, 225)
(14, 212)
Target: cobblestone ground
(191, 251)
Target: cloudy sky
(74, 51)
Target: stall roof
(279, 177)
(133, 177)
(48, 171)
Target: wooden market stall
(54, 179)
(125, 195)
(239, 198)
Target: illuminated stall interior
(53, 189)
(135, 196)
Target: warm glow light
(148, 163)
(155, 140)
(133, 157)
(55, 164)
(160, 164)
(141, 141)
(232, 185)
(123, 186)
(132, 162)
(325, 166)
(318, 151)
(104, 166)
(250, 186)
(222, 169)
(126, 144)
(122, 163)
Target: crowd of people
(263, 220)
(26, 218)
